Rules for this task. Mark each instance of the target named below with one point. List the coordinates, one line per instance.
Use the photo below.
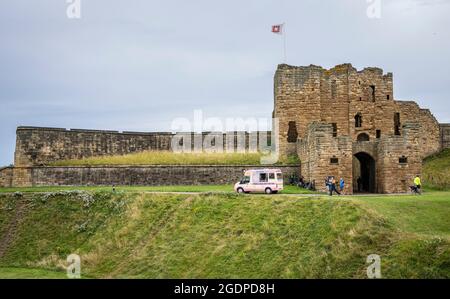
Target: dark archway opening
(363, 137)
(364, 173)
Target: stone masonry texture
(129, 175)
(40, 146)
(349, 125)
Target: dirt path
(282, 194)
(279, 194)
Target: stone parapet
(155, 175)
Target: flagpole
(284, 42)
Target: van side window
(263, 177)
(280, 176)
(272, 176)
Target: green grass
(436, 171)
(25, 273)
(189, 188)
(427, 215)
(171, 158)
(144, 235)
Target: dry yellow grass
(168, 158)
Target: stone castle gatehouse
(340, 122)
(347, 123)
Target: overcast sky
(137, 65)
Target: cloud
(136, 65)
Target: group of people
(307, 185)
(331, 184)
(300, 182)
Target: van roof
(264, 170)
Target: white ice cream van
(260, 180)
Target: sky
(137, 65)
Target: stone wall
(445, 136)
(41, 146)
(393, 176)
(316, 151)
(129, 175)
(429, 132)
(6, 176)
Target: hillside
(436, 170)
(223, 235)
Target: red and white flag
(277, 29)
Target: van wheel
(268, 191)
(240, 190)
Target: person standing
(327, 184)
(341, 184)
(359, 183)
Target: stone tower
(346, 123)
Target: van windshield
(245, 180)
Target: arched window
(358, 120)
(363, 137)
(292, 132)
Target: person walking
(333, 187)
(418, 184)
(341, 184)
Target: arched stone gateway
(364, 173)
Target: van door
(253, 185)
(245, 183)
(263, 181)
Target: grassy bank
(171, 158)
(27, 273)
(132, 234)
(436, 171)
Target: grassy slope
(208, 236)
(427, 215)
(424, 225)
(436, 170)
(27, 273)
(171, 158)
